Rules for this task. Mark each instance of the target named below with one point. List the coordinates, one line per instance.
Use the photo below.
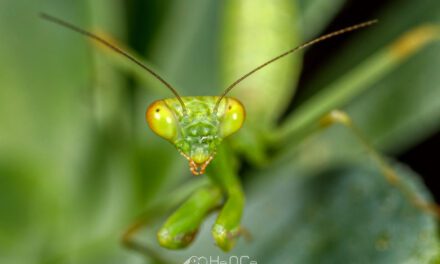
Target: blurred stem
(108, 84)
(301, 121)
(143, 77)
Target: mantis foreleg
(200, 189)
(228, 224)
(181, 227)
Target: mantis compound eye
(233, 117)
(162, 120)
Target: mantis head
(199, 128)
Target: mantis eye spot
(162, 120)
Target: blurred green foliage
(78, 164)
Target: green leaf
(344, 214)
(316, 15)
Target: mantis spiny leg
(156, 211)
(181, 227)
(340, 117)
(227, 227)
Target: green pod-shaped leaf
(253, 33)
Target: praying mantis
(190, 116)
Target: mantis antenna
(309, 43)
(114, 48)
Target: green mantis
(185, 122)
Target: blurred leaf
(345, 214)
(67, 145)
(316, 14)
(188, 46)
(44, 129)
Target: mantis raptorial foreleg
(340, 117)
(227, 227)
(181, 227)
(195, 189)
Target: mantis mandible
(196, 126)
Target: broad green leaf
(188, 45)
(317, 14)
(341, 214)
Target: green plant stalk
(303, 119)
(147, 81)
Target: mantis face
(197, 132)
